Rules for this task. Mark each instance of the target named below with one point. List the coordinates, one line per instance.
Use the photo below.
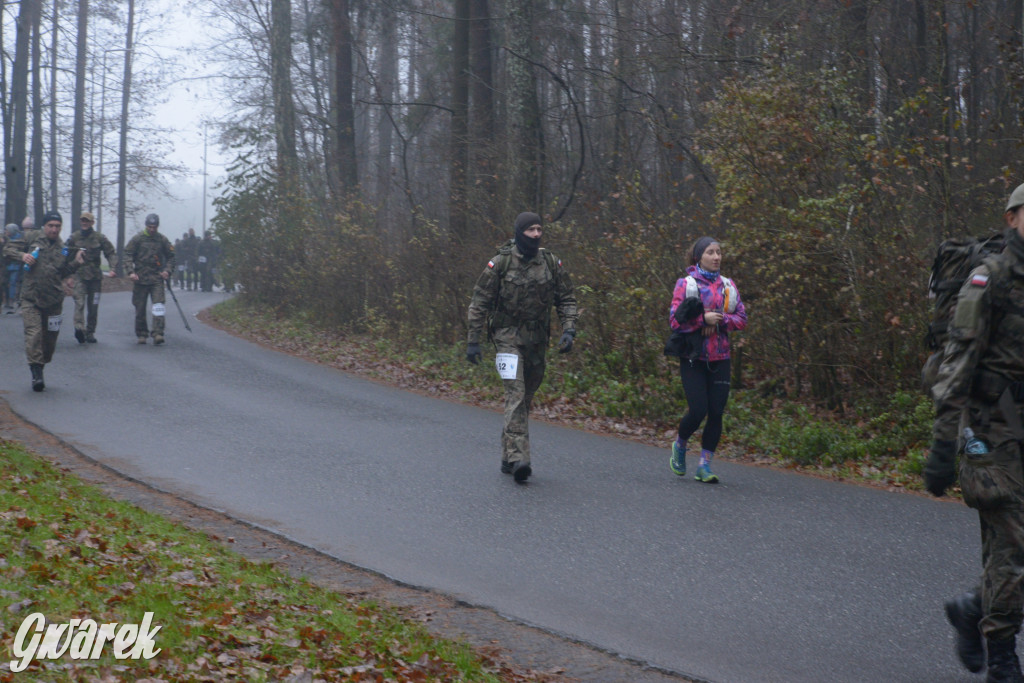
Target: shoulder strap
(691, 286)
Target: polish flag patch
(490, 264)
(979, 280)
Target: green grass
(70, 552)
(882, 444)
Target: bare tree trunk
(15, 175)
(122, 157)
(344, 111)
(53, 104)
(36, 151)
(319, 100)
(458, 142)
(526, 138)
(482, 133)
(78, 133)
(387, 80)
(281, 85)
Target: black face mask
(528, 246)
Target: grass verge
(68, 552)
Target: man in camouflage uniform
(513, 298)
(190, 245)
(89, 278)
(42, 292)
(980, 386)
(207, 254)
(149, 259)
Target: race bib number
(507, 365)
(158, 310)
(53, 323)
(202, 259)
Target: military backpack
(954, 261)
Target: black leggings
(707, 391)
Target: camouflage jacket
(43, 285)
(147, 256)
(95, 245)
(985, 351)
(514, 296)
(187, 255)
(207, 251)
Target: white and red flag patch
(979, 280)
(490, 264)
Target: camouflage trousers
(1002, 580)
(87, 304)
(155, 292)
(42, 325)
(1002, 523)
(515, 435)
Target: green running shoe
(705, 475)
(678, 460)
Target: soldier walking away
(207, 253)
(191, 246)
(179, 252)
(89, 278)
(13, 269)
(149, 259)
(46, 262)
(513, 300)
(978, 396)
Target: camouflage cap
(1016, 198)
(87, 216)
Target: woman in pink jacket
(713, 309)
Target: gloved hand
(690, 308)
(939, 471)
(565, 343)
(473, 354)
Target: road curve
(768, 576)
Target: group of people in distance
(49, 267)
(197, 261)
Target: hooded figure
(528, 246)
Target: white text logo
(81, 639)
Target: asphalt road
(768, 576)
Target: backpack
(954, 261)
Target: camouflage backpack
(954, 261)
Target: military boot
(37, 376)
(964, 613)
(1003, 665)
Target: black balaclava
(528, 246)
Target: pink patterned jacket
(720, 295)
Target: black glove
(565, 343)
(690, 308)
(473, 354)
(940, 470)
